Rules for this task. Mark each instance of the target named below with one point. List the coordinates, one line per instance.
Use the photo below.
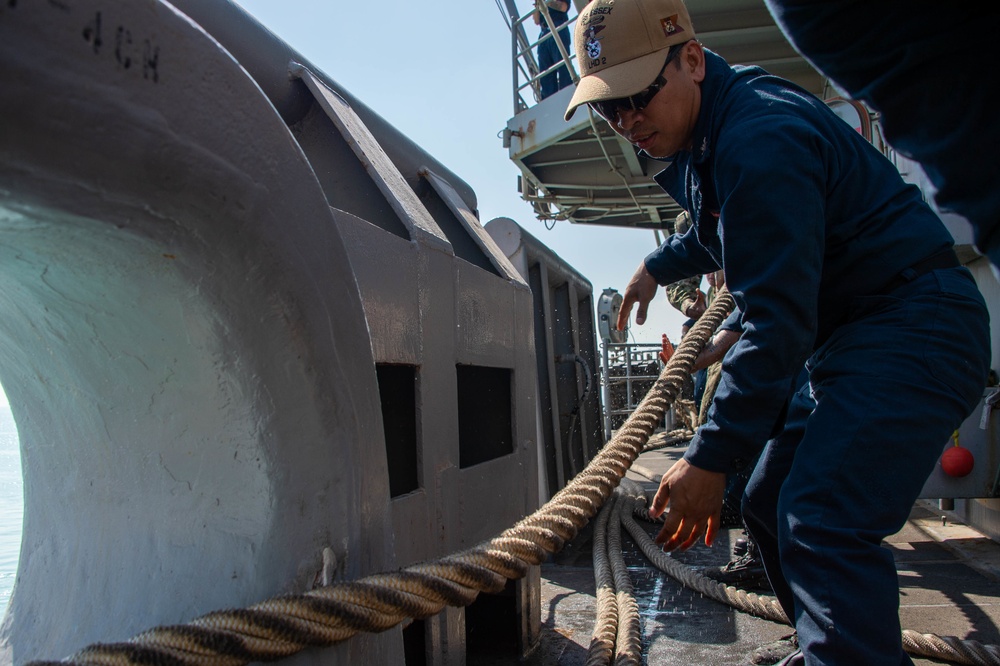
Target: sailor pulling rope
(284, 625)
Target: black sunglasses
(610, 108)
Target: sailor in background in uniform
(548, 50)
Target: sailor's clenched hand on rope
(690, 497)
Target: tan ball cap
(621, 44)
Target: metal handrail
(524, 61)
(554, 199)
(566, 58)
(624, 355)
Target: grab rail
(525, 68)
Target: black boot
(740, 545)
(746, 572)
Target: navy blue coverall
(927, 68)
(548, 55)
(839, 265)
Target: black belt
(945, 259)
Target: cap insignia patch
(670, 26)
(593, 42)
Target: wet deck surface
(949, 578)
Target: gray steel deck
(949, 577)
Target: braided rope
(950, 648)
(602, 640)
(628, 643)
(764, 607)
(687, 413)
(284, 625)
(664, 439)
(946, 648)
(617, 636)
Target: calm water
(11, 504)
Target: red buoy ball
(957, 461)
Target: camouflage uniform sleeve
(682, 293)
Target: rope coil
(629, 500)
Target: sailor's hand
(690, 500)
(641, 289)
(716, 349)
(694, 308)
